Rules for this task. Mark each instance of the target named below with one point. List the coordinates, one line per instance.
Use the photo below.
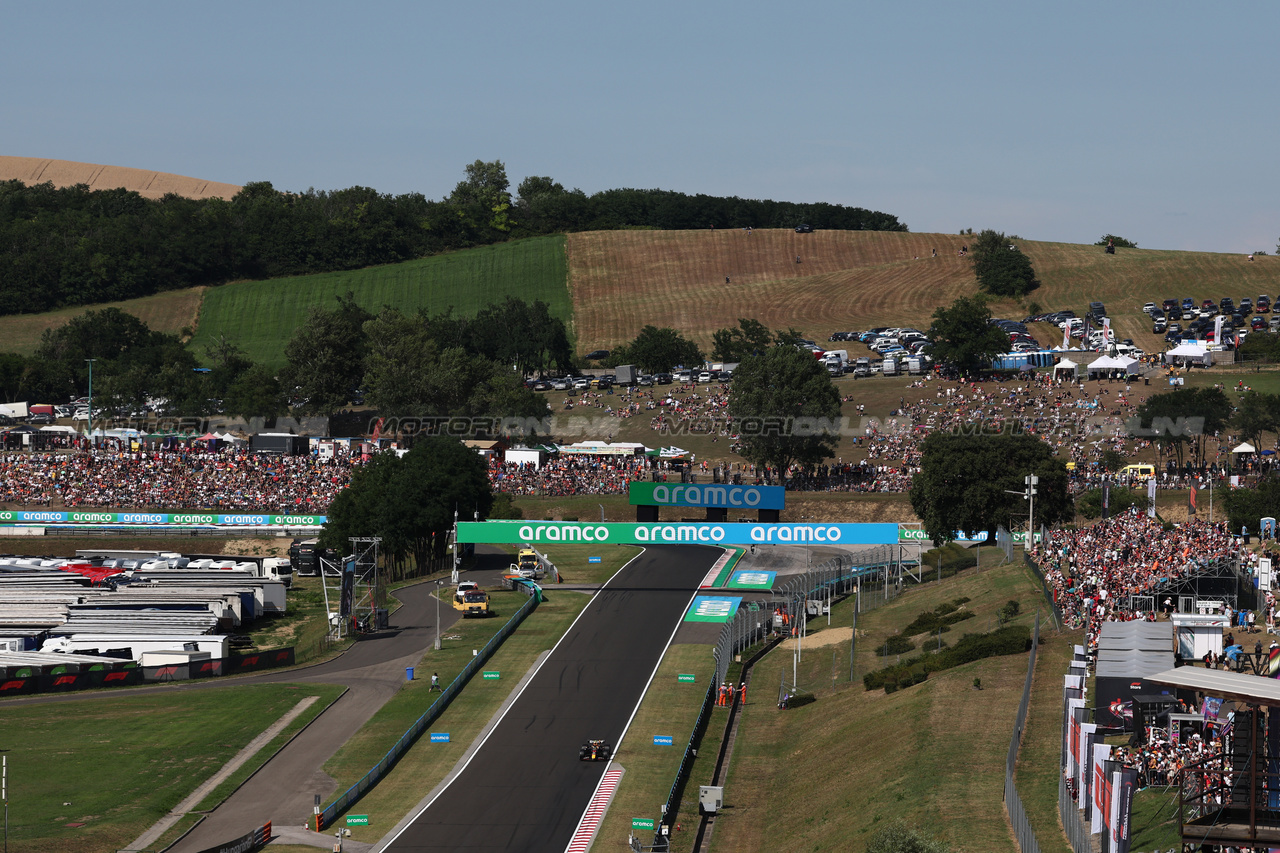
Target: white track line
(458, 773)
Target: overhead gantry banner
(702, 533)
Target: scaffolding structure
(367, 598)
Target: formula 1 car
(595, 750)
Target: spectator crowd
(228, 479)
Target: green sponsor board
(642, 823)
(713, 608)
(357, 820)
(748, 579)
(492, 675)
(686, 677)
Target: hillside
(618, 281)
(65, 173)
(848, 280)
(260, 316)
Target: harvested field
(169, 312)
(849, 280)
(65, 173)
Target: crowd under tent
(1066, 366)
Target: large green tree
(785, 408)
(657, 350)
(1180, 418)
(1001, 267)
(326, 356)
(965, 480)
(523, 336)
(1255, 414)
(751, 337)
(410, 502)
(963, 336)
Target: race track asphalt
(525, 789)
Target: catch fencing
(1022, 828)
(348, 798)
(874, 575)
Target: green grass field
(260, 316)
(826, 775)
(92, 775)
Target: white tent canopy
(1245, 447)
(1188, 350)
(1067, 365)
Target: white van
(890, 367)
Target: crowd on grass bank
(229, 479)
(1081, 421)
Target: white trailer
(216, 645)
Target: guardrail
(1022, 829)
(348, 798)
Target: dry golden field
(850, 280)
(65, 173)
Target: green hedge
(1009, 640)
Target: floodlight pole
(89, 422)
(439, 581)
(1031, 481)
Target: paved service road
(525, 790)
(283, 790)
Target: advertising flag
(1106, 499)
(1151, 498)
(1066, 336)
(1124, 783)
(1191, 500)
(1101, 787)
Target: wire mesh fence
(349, 797)
(1022, 828)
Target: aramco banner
(719, 496)
(92, 517)
(693, 533)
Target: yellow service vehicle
(472, 602)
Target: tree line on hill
(409, 366)
(76, 246)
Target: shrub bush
(1009, 640)
(896, 645)
(933, 644)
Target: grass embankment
(426, 764)
(93, 775)
(828, 774)
(260, 316)
(670, 707)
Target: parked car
(1246, 305)
(1159, 327)
(1150, 308)
(1257, 324)
(804, 228)
(37, 419)
(596, 355)
(1263, 304)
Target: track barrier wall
(349, 797)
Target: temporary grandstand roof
(1242, 687)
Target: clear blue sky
(1153, 120)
